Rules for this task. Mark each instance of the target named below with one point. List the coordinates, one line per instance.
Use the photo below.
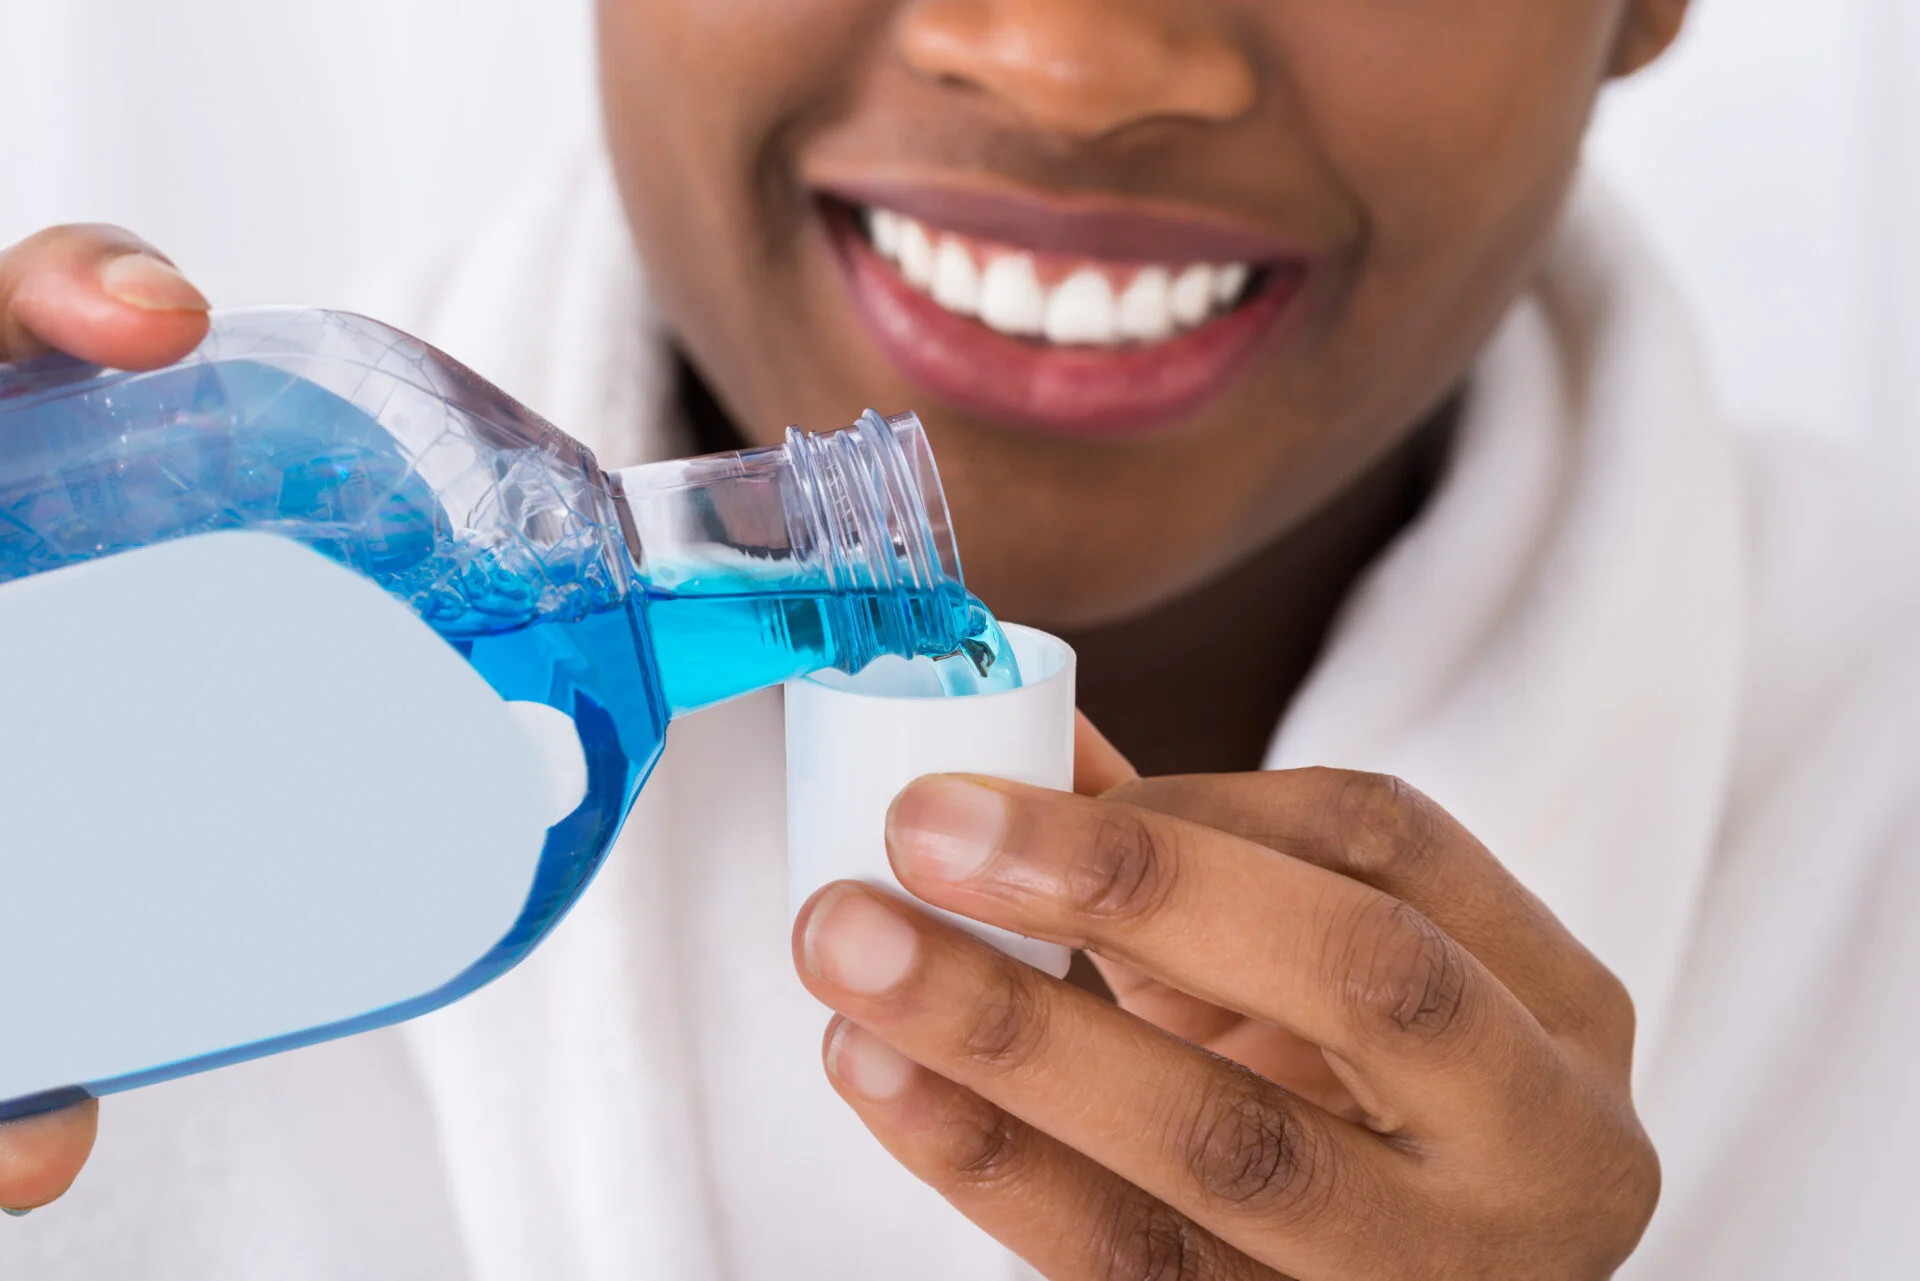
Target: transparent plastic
(835, 547)
(622, 600)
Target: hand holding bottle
(659, 588)
(100, 294)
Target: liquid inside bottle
(621, 600)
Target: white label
(243, 793)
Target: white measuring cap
(854, 741)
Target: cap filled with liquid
(855, 740)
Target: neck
(711, 430)
(1198, 684)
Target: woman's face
(1161, 276)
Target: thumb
(41, 1155)
(97, 293)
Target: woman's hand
(100, 294)
(105, 296)
(1443, 1071)
(1267, 1048)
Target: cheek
(688, 107)
(1454, 127)
(1451, 122)
(732, 73)
(704, 101)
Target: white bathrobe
(1670, 673)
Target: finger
(1181, 1013)
(1097, 764)
(1285, 1059)
(1436, 1039)
(41, 1156)
(1378, 830)
(1047, 1203)
(1098, 767)
(99, 294)
(1264, 1171)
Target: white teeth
(916, 254)
(1011, 299)
(1191, 297)
(1081, 310)
(956, 281)
(1145, 314)
(884, 226)
(1154, 302)
(1228, 280)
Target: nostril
(1081, 67)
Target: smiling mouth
(1064, 300)
(1099, 321)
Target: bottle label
(249, 796)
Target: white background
(276, 146)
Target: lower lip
(1075, 391)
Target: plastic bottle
(622, 599)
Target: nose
(1084, 68)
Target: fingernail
(874, 1069)
(18, 1214)
(947, 828)
(856, 943)
(143, 281)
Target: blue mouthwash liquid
(567, 622)
(705, 648)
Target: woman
(1278, 356)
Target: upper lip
(1091, 226)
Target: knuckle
(1007, 1026)
(36, 243)
(1392, 830)
(100, 234)
(1594, 1010)
(1613, 1004)
(1643, 1194)
(1143, 1239)
(1619, 1191)
(1402, 976)
(1621, 1167)
(1125, 871)
(1639, 1192)
(985, 1147)
(64, 233)
(1586, 1186)
(63, 236)
(1247, 1149)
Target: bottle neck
(828, 550)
